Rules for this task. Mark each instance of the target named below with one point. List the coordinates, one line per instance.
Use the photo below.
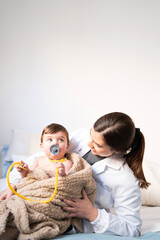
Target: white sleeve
(126, 221)
(14, 176)
(79, 141)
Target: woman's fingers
(82, 208)
(72, 212)
(70, 203)
(84, 194)
(70, 208)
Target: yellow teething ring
(19, 195)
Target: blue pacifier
(54, 149)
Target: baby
(23, 219)
(53, 136)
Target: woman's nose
(90, 143)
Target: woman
(116, 156)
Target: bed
(23, 144)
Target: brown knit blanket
(25, 220)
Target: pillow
(150, 196)
(34, 143)
(23, 144)
(18, 145)
(5, 165)
(17, 158)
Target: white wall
(71, 61)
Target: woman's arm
(126, 221)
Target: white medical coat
(117, 188)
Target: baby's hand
(22, 169)
(61, 169)
(7, 193)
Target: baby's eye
(50, 140)
(61, 140)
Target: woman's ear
(41, 145)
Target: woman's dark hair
(120, 134)
(54, 128)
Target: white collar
(114, 162)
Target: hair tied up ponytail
(135, 142)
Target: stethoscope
(54, 149)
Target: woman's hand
(82, 208)
(7, 193)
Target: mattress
(150, 218)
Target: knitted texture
(22, 219)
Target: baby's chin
(57, 157)
(54, 157)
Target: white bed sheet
(150, 215)
(150, 218)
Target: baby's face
(59, 139)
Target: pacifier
(54, 149)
